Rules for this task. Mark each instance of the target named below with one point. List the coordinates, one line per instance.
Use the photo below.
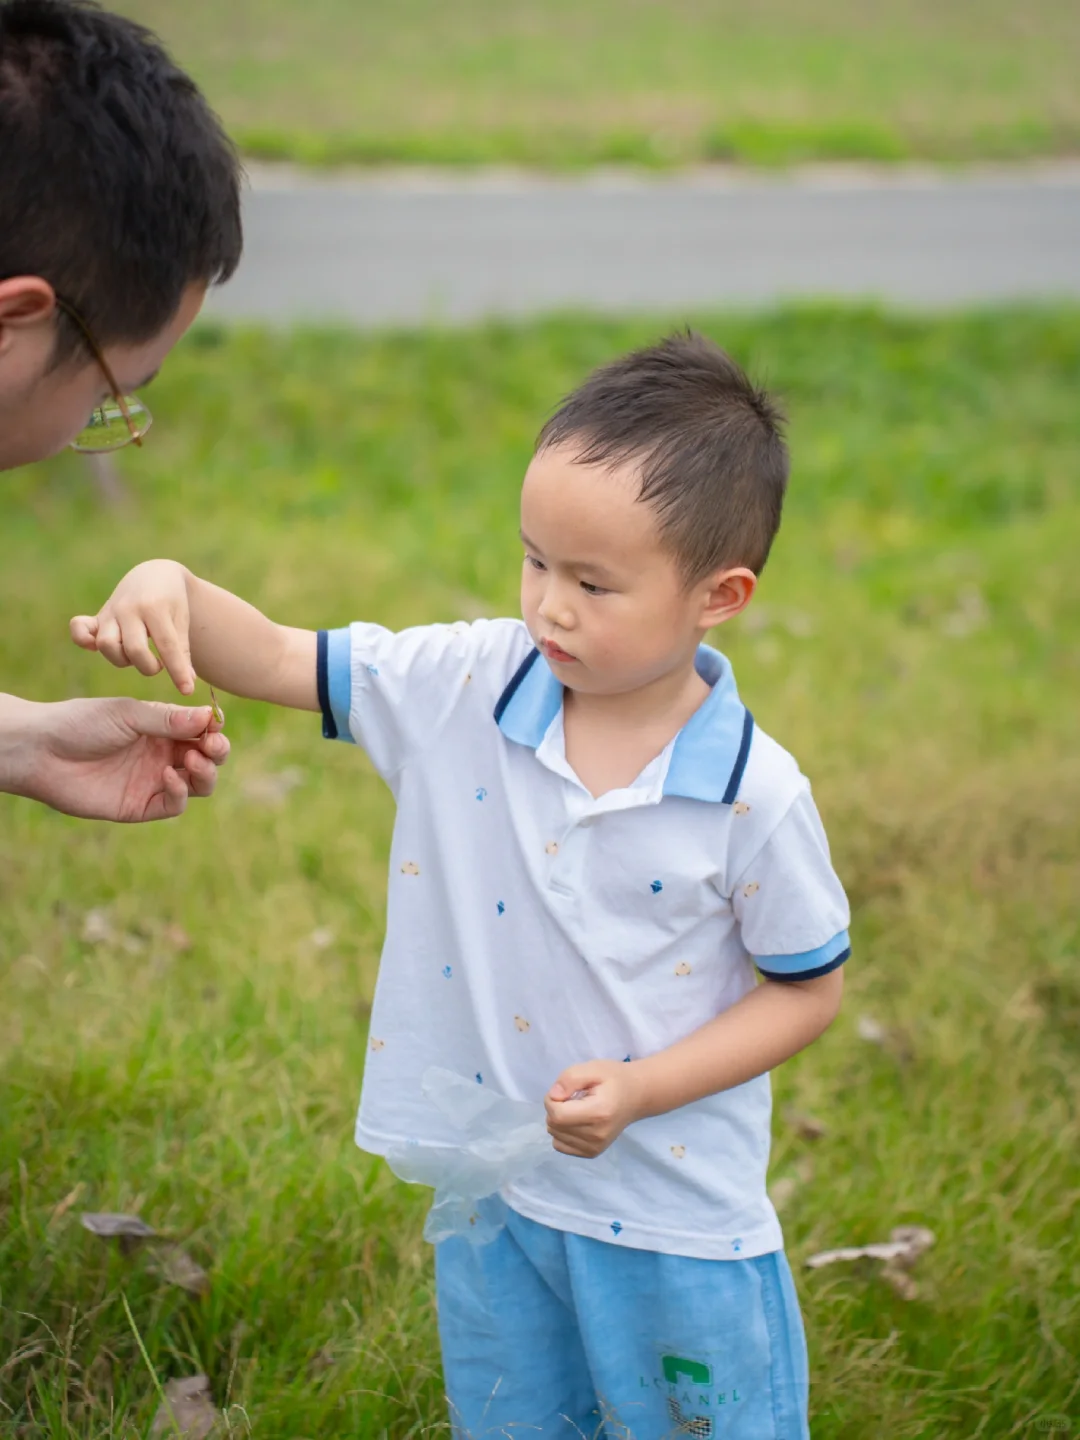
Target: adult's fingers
(215, 747)
(201, 774)
(176, 792)
(172, 799)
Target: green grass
(653, 82)
(917, 644)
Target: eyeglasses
(123, 420)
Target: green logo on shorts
(688, 1386)
(676, 1369)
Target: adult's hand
(116, 759)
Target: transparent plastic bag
(502, 1141)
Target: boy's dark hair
(714, 465)
(117, 183)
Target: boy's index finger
(176, 657)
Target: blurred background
(572, 83)
(454, 213)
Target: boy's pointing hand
(149, 605)
(590, 1105)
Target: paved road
(407, 248)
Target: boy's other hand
(590, 1105)
(149, 604)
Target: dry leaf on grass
(1024, 1005)
(904, 1246)
(322, 938)
(900, 1281)
(781, 1191)
(97, 928)
(971, 613)
(807, 1127)
(272, 789)
(175, 937)
(112, 1226)
(189, 1410)
(175, 1265)
(804, 1170)
(322, 1360)
(168, 1259)
(870, 1030)
(130, 1230)
(898, 1254)
(896, 1040)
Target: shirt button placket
(567, 857)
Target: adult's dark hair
(117, 183)
(709, 446)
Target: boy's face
(604, 599)
(42, 408)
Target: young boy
(595, 847)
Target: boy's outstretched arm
(200, 630)
(774, 1021)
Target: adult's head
(119, 206)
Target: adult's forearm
(19, 743)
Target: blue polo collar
(710, 751)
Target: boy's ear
(726, 594)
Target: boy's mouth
(555, 652)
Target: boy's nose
(554, 611)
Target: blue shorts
(562, 1337)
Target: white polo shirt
(531, 926)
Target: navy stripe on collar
(518, 676)
(710, 753)
(740, 761)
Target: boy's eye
(535, 563)
(592, 589)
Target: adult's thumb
(170, 722)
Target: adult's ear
(25, 300)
